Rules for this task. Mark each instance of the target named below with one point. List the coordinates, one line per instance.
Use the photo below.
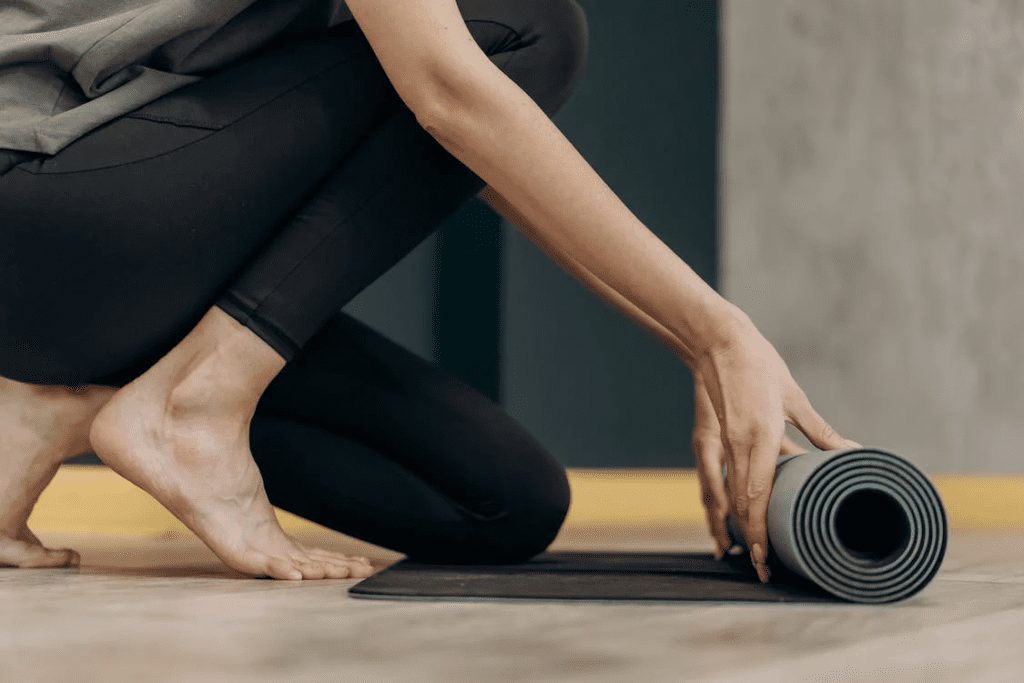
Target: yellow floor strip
(92, 499)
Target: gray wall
(873, 197)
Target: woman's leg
(221, 217)
(379, 204)
(40, 428)
(125, 237)
(365, 437)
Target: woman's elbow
(436, 114)
(444, 100)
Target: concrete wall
(873, 214)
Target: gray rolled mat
(861, 525)
(864, 524)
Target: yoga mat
(859, 525)
(863, 524)
(573, 575)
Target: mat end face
(864, 524)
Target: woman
(192, 193)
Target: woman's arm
(578, 271)
(493, 127)
(706, 441)
(490, 124)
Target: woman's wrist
(707, 327)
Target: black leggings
(278, 188)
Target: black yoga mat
(590, 576)
(860, 525)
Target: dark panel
(594, 388)
(467, 304)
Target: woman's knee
(553, 38)
(533, 515)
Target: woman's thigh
(124, 239)
(120, 242)
(373, 209)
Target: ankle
(210, 389)
(62, 401)
(221, 367)
(59, 414)
(38, 392)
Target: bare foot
(181, 432)
(40, 427)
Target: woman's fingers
(764, 454)
(753, 451)
(736, 478)
(708, 451)
(819, 432)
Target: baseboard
(92, 499)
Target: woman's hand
(710, 455)
(745, 395)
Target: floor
(161, 609)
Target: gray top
(68, 66)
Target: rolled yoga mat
(861, 525)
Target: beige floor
(162, 610)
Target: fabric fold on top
(67, 67)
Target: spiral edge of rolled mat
(815, 493)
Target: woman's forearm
(574, 268)
(500, 133)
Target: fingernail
(759, 560)
(757, 552)
(295, 575)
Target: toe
(361, 571)
(359, 566)
(346, 567)
(337, 571)
(280, 568)
(362, 567)
(311, 569)
(74, 559)
(328, 561)
(18, 553)
(358, 570)
(52, 558)
(340, 557)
